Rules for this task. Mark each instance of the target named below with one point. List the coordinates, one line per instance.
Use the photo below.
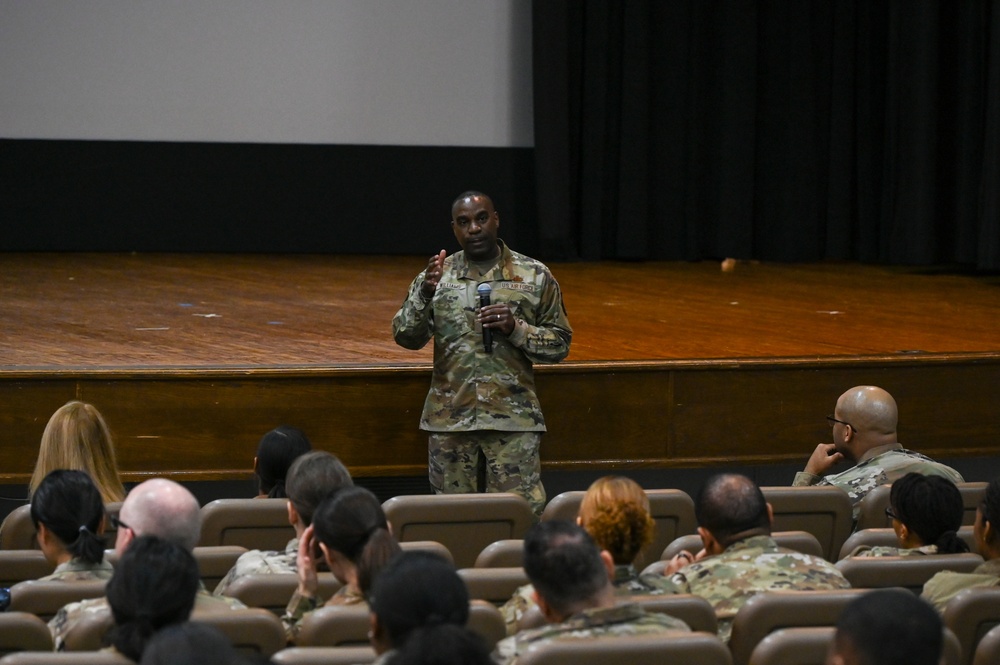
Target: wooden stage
(192, 357)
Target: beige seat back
(800, 541)
(66, 658)
(486, 621)
(335, 625)
(495, 585)
(260, 524)
(988, 649)
(250, 630)
(428, 546)
(687, 648)
(672, 510)
(909, 572)
(18, 531)
(808, 646)
(464, 523)
(324, 656)
(20, 565)
(44, 599)
(23, 631)
(971, 615)
(825, 512)
(764, 613)
(273, 591)
(213, 562)
(886, 537)
(507, 553)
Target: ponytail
(378, 551)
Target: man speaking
(482, 407)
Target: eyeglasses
(833, 420)
(890, 514)
(117, 523)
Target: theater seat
(687, 648)
(250, 630)
(23, 631)
(18, 531)
(971, 615)
(260, 524)
(464, 523)
(988, 649)
(324, 656)
(886, 537)
(825, 512)
(909, 572)
(65, 658)
(502, 554)
(20, 565)
(44, 599)
(495, 585)
(273, 591)
(808, 646)
(214, 563)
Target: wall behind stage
(250, 125)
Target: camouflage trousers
(510, 458)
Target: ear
(579, 521)
(609, 563)
(709, 542)
(293, 515)
(770, 516)
(44, 535)
(255, 464)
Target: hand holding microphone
(493, 316)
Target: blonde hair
(615, 512)
(76, 437)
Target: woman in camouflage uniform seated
(69, 517)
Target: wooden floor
(142, 311)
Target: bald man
(864, 433)
(157, 507)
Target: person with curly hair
(615, 512)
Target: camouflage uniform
(879, 466)
(750, 566)
(619, 620)
(67, 618)
(886, 550)
(946, 584)
(77, 570)
(257, 562)
(475, 391)
(299, 606)
(627, 582)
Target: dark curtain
(783, 130)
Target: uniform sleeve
(413, 325)
(547, 339)
(803, 479)
(297, 608)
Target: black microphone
(484, 291)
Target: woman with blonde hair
(615, 512)
(76, 437)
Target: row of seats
(778, 628)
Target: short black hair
(275, 453)
(891, 627)
(931, 507)
(563, 563)
(732, 507)
(69, 504)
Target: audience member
(275, 453)
(945, 585)
(350, 533)
(68, 513)
(157, 507)
(311, 478)
(615, 512)
(572, 580)
(76, 437)
(740, 558)
(926, 514)
(194, 643)
(887, 627)
(154, 585)
(864, 433)
(415, 602)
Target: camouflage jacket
(886, 550)
(76, 570)
(946, 584)
(258, 562)
(619, 620)
(67, 618)
(750, 566)
(471, 389)
(627, 582)
(879, 466)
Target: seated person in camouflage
(945, 585)
(740, 559)
(157, 507)
(572, 580)
(350, 533)
(68, 514)
(887, 627)
(311, 477)
(615, 512)
(154, 586)
(864, 433)
(926, 514)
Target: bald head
(163, 508)
(869, 409)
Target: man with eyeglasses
(157, 507)
(864, 432)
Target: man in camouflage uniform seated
(572, 580)
(864, 433)
(157, 507)
(482, 404)
(740, 558)
(310, 478)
